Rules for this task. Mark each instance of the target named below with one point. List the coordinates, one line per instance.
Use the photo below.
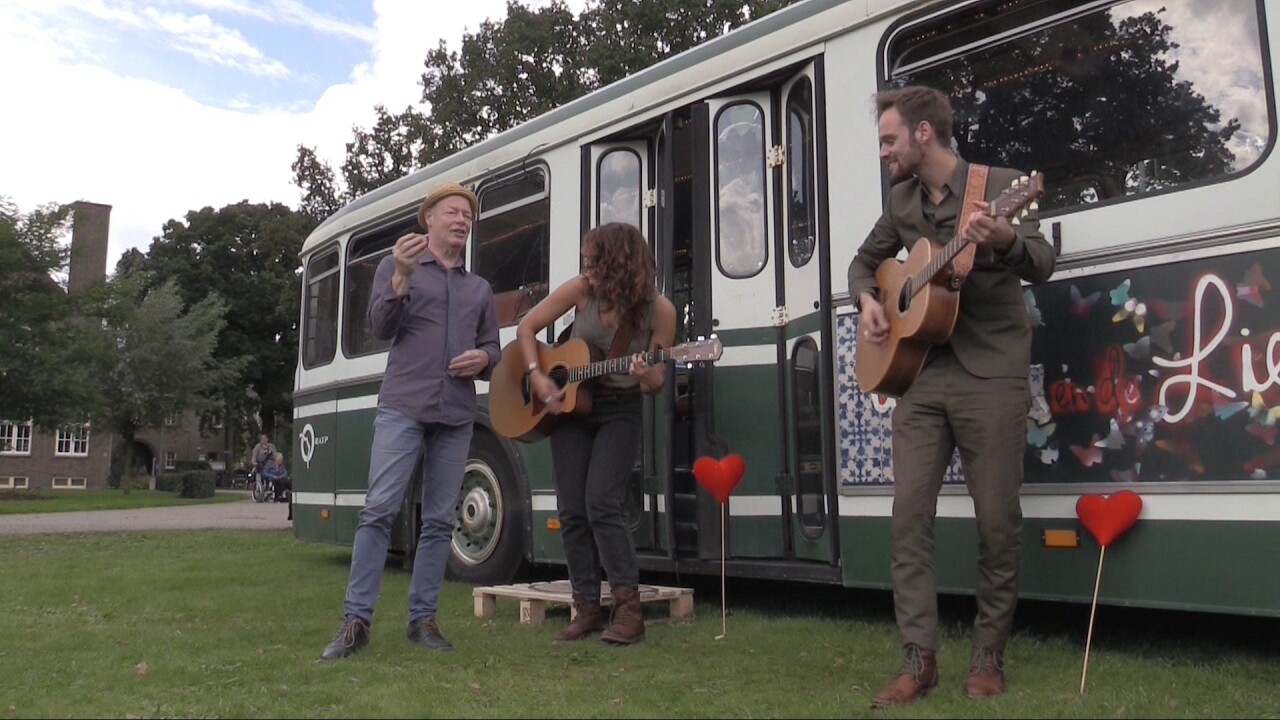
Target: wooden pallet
(535, 597)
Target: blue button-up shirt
(417, 381)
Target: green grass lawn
(12, 503)
(231, 623)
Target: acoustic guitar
(920, 302)
(517, 414)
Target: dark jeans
(593, 457)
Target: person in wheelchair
(276, 477)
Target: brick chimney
(89, 228)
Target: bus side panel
(1160, 378)
(314, 447)
(355, 427)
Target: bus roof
(563, 118)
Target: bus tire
(488, 526)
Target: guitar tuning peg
(1034, 206)
(1016, 220)
(1017, 182)
(701, 338)
(1035, 173)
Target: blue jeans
(398, 441)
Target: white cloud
(77, 131)
(293, 13)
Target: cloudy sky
(158, 107)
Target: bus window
(802, 205)
(511, 241)
(618, 194)
(320, 311)
(363, 255)
(740, 182)
(1109, 102)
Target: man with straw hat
(443, 330)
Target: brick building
(78, 457)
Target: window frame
(309, 280)
(71, 439)
(15, 438)
(766, 198)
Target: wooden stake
(1093, 608)
(723, 530)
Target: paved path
(242, 515)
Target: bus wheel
(488, 545)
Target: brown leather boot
(986, 674)
(918, 676)
(588, 619)
(628, 618)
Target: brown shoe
(628, 618)
(917, 678)
(588, 619)
(986, 674)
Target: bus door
(621, 190)
(803, 259)
(748, 315)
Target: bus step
(534, 598)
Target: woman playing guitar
(616, 310)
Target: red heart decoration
(1109, 517)
(720, 477)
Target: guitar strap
(975, 191)
(621, 339)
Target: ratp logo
(308, 441)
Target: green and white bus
(750, 163)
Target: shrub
(197, 484)
(182, 465)
(169, 481)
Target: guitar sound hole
(904, 298)
(560, 376)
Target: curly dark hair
(623, 272)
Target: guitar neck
(614, 365)
(936, 265)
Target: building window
(69, 483)
(15, 438)
(173, 420)
(13, 483)
(170, 459)
(73, 441)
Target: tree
(157, 359)
(44, 376)
(246, 254)
(513, 70)
(627, 36)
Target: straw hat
(442, 191)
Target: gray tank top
(588, 326)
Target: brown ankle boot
(917, 678)
(628, 618)
(588, 619)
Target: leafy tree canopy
(246, 254)
(44, 376)
(510, 71)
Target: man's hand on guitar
(984, 230)
(875, 326)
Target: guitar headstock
(700, 350)
(1020, 197)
